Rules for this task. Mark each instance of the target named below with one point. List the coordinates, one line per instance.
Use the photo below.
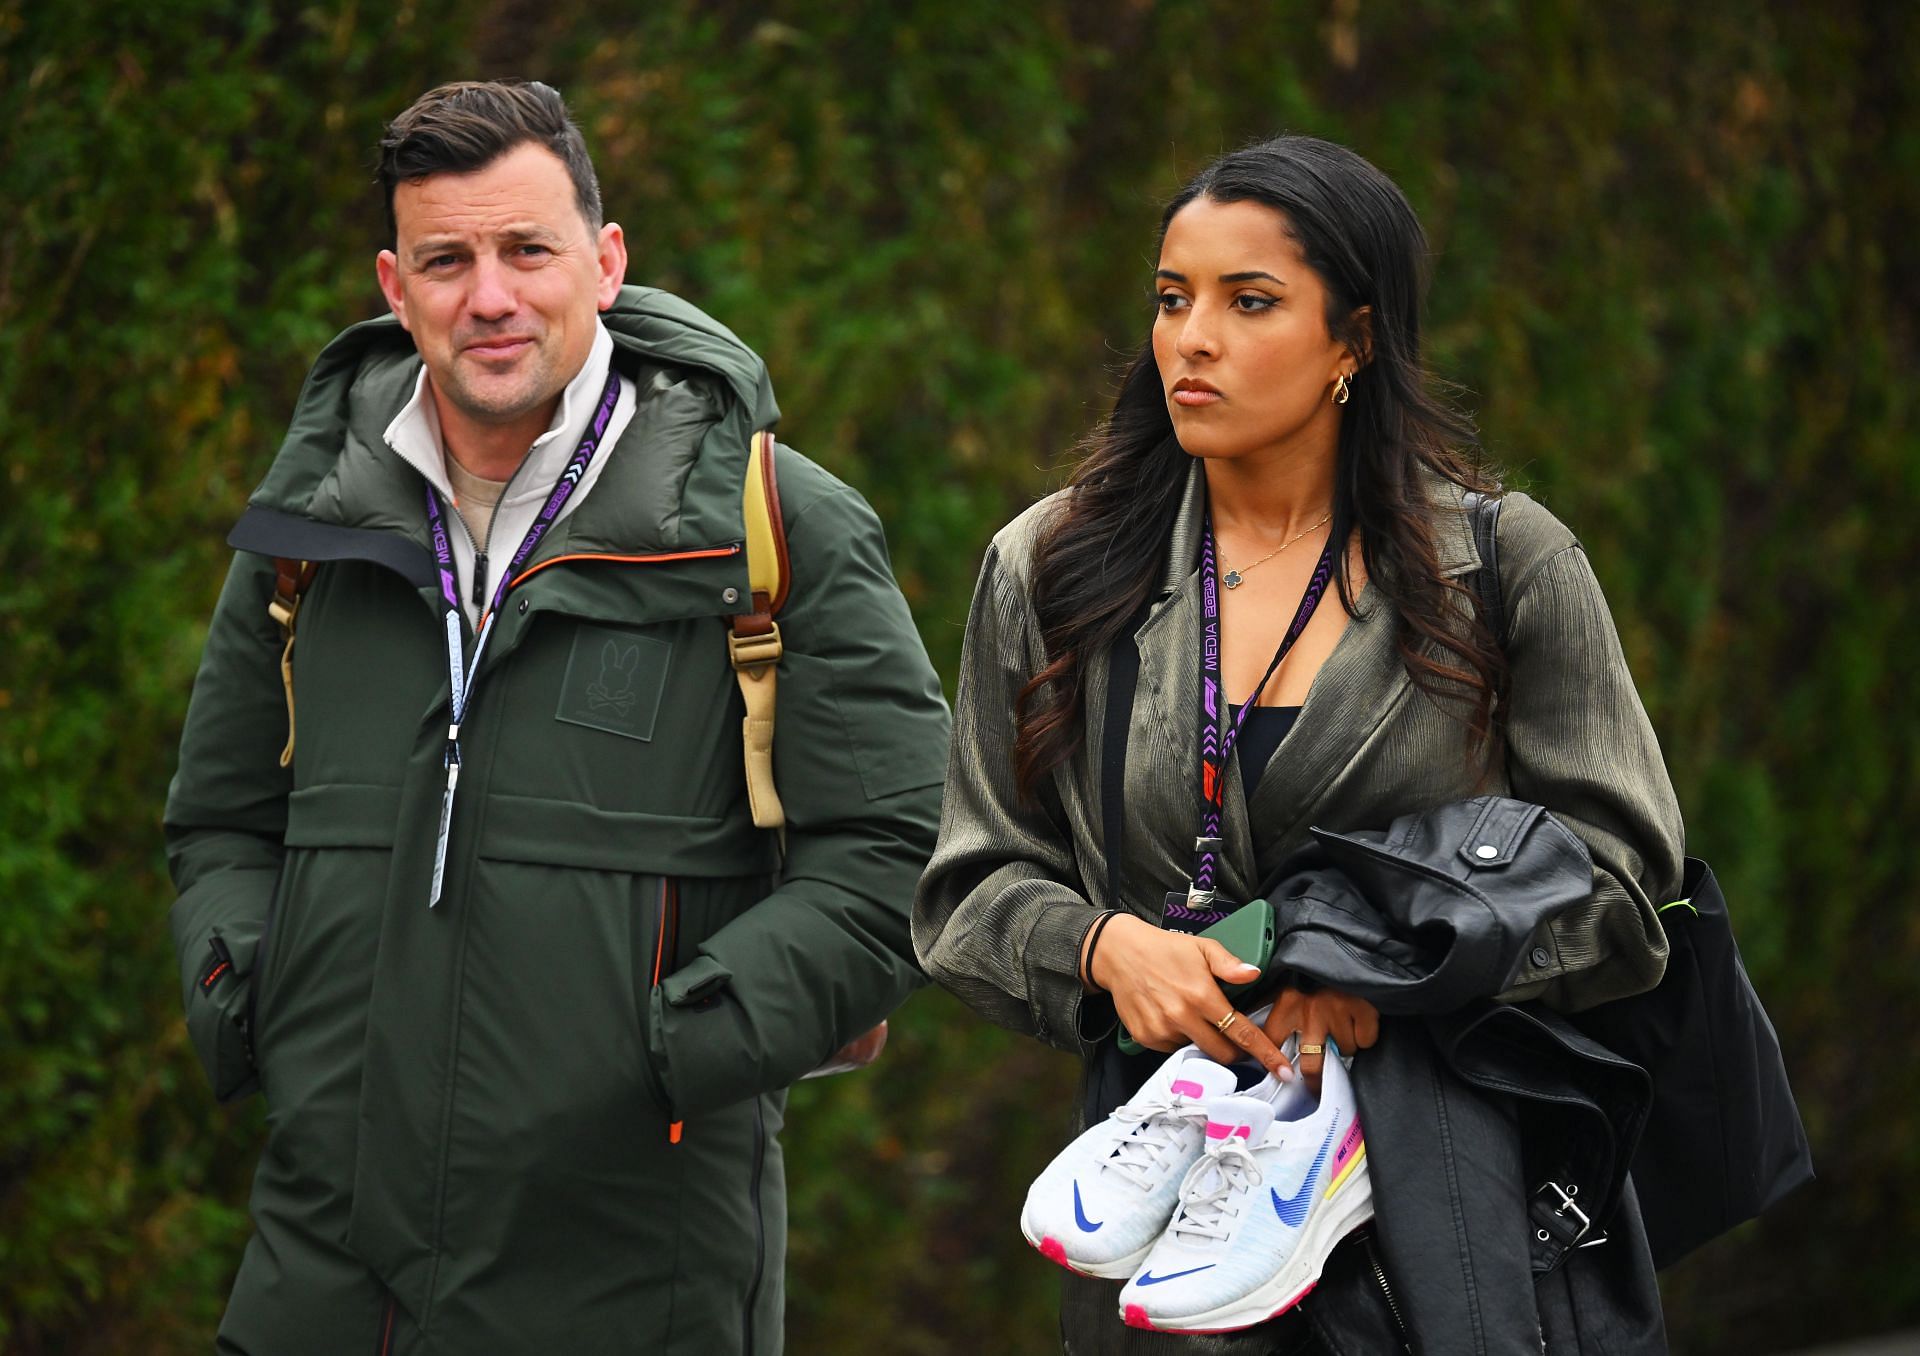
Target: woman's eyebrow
(1248, 276)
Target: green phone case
(1248, 933)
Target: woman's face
(1241, 339)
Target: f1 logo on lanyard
(462, 677)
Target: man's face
(498, 278)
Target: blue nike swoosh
(1145, 1279)
(1080, 1214)
(1293, 1210)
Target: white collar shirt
(415, 436)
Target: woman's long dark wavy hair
(1098, 561)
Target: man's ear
(612, 243)
(386, 267)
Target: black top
(1260, 739)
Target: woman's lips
(1193, 396)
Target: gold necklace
(1233, 577)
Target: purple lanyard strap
(1216, 742)
(461, 672)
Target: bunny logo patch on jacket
(614, 681)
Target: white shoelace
(1226, 1172)
(1165, 1122)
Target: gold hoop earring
(1343, 388)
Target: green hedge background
(1675, 271)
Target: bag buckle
(1567, 1207)
(752, 652)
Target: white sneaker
(1282, 1179)
(1103, 1201)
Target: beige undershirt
(476, 499)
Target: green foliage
(1674, 267)
(174, 253)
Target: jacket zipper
(1393, 1305)
(481, 548)
(385, 1348)
(668, 925)
(222, 961)
(647, 558)
(759, 1222)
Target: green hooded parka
(543, 1115)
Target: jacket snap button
(729, 595)
(523, 607)
(1486, 852)
(1539, 956)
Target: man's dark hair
(467, 125)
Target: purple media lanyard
(462, 675)
(1197, 911)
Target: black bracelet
(1093, 940)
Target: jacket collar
(415, 434)
(672, 483)
(1183, 549)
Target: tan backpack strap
(768, 572)
(754, 643)
(291, 579)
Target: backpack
(754, 646)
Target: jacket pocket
(657, 939)
(258, 979)
(677, 992)
(583, 837)
(569, 880)
(320, 931)
(218, 1015)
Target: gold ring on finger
(1227, 1021)
(1312, 1048)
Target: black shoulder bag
(1723, 1139)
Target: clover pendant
(1232, 580)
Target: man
(498, 937)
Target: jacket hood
(702, 395)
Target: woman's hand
(1354, 1024)
(1166, 988)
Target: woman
(1276, 430)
